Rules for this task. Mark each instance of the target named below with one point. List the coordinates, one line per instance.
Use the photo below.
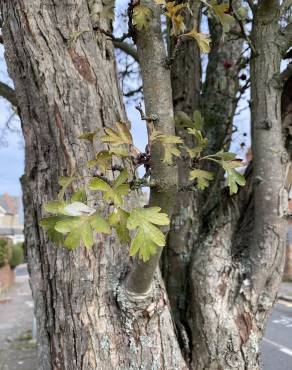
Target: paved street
(277, 345)
(17, 350)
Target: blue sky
(11, 151)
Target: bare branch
(286, 37)
(285, 6)
(8, 93)
(133, 92)
(251, 5)
(127, 48)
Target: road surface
(277, 344)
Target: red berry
(227, 63)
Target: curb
(284, 297)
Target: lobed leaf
(119, 136)
(225, 19)
(202, 39)
(203, 178)
(118, 219)
(141, 17)
(148, 237)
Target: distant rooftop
(12, 205)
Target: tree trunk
(217, 104)
(66, 86)
(237, 269)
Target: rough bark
(186, 88)
(238, 266)
(217, 103)
(63, 91)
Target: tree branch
(158, 103)
(127, 48)
(251, 5)
(285, 6)
(286, 37)
(8, 93)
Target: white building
(11, 225)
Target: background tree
(96, 308)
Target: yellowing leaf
(178, 25)
(88, 136)
(202, 39)
(65, 182)
(119, 151)
(141, 16)
(220, 10)
(203, 178)
(119, 136)
(103, 161)
(113, 193)
(201, 142)
(148, 237)
(169, 144)
(172, 9)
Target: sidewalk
(17, 349)
(285, 291)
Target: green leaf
(225, 156)
(203, 178)
(81, 231)
(198, 120)
(120, 151)
(169, 143)
(99, 224)
(220, 10)
(118, 219)
(98, 184)
(103, 160)
(90, 136)
(119, 136)
(55, 206)
(201, 142)
(143, 244)
(79, 196)
(67, 225)
(234, 178)
(48, 224)
(148, 237)
(56, 237)
(113, 193)
(123, 176)
(183, 120)
(141, 17)
(73, 239)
